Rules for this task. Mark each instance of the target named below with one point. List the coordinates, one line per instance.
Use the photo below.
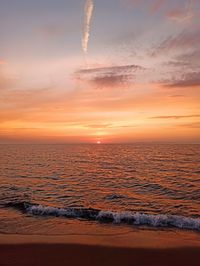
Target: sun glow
(98, 142)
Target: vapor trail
(89, 6)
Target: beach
(79, 255)
(138, 248)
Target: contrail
(89, 6)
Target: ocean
(92, 189)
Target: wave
(131, 218)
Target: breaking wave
(132, 218)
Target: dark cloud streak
(109, 76)
(175, 116)
(187, 80)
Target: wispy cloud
(119, 124)
(99, 126)
(190, 125)
(152, 6)
(184, 40)
(89, 6)
(177, 96)
(110, 69)
(182, 14)
(110, 80)
(109, 76)
(192, 57)
(186, 80)
(156, 5)
(175, 116)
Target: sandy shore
(79, 255)
(137, 248)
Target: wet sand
(140, 247)
(91, 255)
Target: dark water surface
(48, 188)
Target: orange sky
(136, 87)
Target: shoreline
(134, 238)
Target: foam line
(132, 218)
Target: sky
(114, 71)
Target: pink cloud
(153, 6)
(182, 14)
(186, 80)
(182, 41)
(156, 5)
(2, 62)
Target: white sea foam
(158, 220)
(154, 220)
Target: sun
(98, 142)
